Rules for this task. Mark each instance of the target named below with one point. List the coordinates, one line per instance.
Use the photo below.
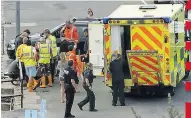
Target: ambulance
(150, 39)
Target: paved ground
(146, 107)
(49, 14)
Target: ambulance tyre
(187, 72)
(172, 91)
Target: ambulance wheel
(161, 92)
(172, 91)
(187, 72)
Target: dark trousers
(89, 98)
(70, 91)
(25, 76)
(52, 66)
(118, 90)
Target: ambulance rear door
(96, 49)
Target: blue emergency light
(167, 19)
(105, 20)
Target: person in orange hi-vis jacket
(70, 33)
(71, 55)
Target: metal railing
(21, 85)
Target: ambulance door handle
(165, 39)
(89, 51)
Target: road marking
(22, 25)
(143, 1)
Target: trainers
(80, 106)
(93, 110)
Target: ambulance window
(176, 30)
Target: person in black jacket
(69, 75)
(64, 45)
(116, 69)
(87, 85)
(19, 38)
(85, 57)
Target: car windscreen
(57, 27)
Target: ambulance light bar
(86, 19)
(147, 7)
(145, 21)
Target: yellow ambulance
(150, 39)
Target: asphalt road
(40, 15)
(49, 14)
(146, 107)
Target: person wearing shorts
(31, 71)
(28, 56)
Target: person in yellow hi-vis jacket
(28, 57)
(18, 53)
(52, 40)
(45, 53)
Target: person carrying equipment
(71, 55)
(28, 56)
(69, 75)
(45, 53)
(52, 40)
(87, 85)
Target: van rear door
(144, 67)
(96, 49)
(146, 38)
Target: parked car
(79, 23)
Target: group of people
(38, 65)
(42, 56)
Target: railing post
(21, 79)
